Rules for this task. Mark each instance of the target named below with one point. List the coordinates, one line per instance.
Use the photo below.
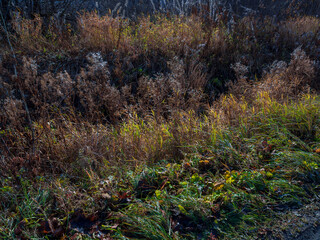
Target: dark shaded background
(130, 8)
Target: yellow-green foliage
(136, 143)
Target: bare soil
(301, 224)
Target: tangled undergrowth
(119, 130)
(190, 177)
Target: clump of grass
(170, 36)
(104, 34)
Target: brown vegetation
(114, 96)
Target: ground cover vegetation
(165, 127)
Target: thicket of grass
(184, 178)
(131, 145)
(132, 49)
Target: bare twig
(6, 147)
(16, 77)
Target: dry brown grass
(298, 27)
(172, 36)
(33, 35)
(66, 132)
(151, 117)
(288, 81)
(282, 83)
(104, 33)
(140, 109)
